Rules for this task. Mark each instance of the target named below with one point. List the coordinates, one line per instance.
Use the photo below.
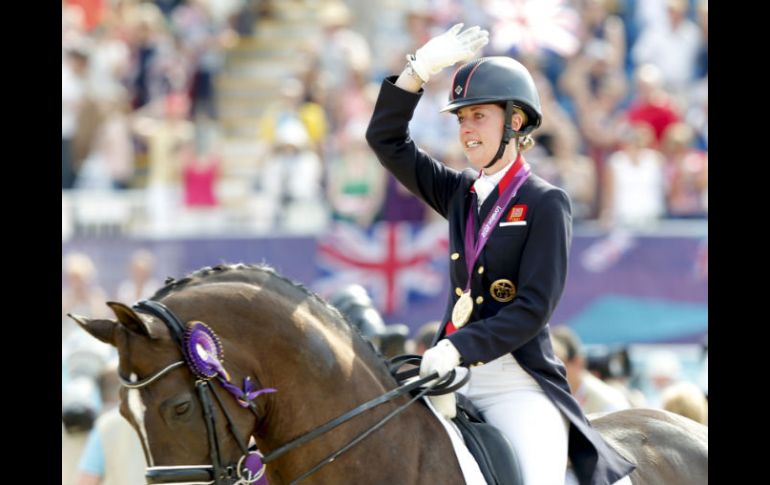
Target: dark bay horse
(284, 337)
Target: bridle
(251, 466)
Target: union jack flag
(393, 261)
(534, 25)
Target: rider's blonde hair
(523, 143)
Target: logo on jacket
(503, 290)
(517, 213)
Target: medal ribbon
(474, 245)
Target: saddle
(493, 452)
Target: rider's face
(481, 129)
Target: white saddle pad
(468, 465)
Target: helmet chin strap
(508, 133)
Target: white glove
(442, 359)
(448, 48)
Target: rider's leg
(513, 402)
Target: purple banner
(619, 289)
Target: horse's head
(195, 361)
(166, 399)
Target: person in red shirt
(652, 105)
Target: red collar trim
(501, 186)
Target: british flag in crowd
(393, 261)
(534, 25)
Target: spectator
(200, 172)
(633, 186)
(697, 115)
(81, 293)
(341, 52)
(110, 160)
(673, 46)
(165, 136)
(297, 200)
(356, 183)
(603, 31)
(425, 336)
(594, 95)
(652, 104)
(593, 395)
(157, 67)
(663, 369)
(292, 104)
(113, 454)
(686, 173)
(202, 39)
(110, 62)
(575, 173)
(702, 17)
(140, 282)
(82, 356)
(73, 91)
(686, 399)
(558, 161)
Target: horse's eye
(181, 409)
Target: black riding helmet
(495, 80)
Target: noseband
(206, 366)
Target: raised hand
(447, 49)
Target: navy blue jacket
(533, 256)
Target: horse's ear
(100, 328)
(130, 319)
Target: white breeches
(512, 401)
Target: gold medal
(462, 310)
(503, 290)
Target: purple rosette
(203, 351)
(204, 355)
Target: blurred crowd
(624, 87)
(98, 445)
